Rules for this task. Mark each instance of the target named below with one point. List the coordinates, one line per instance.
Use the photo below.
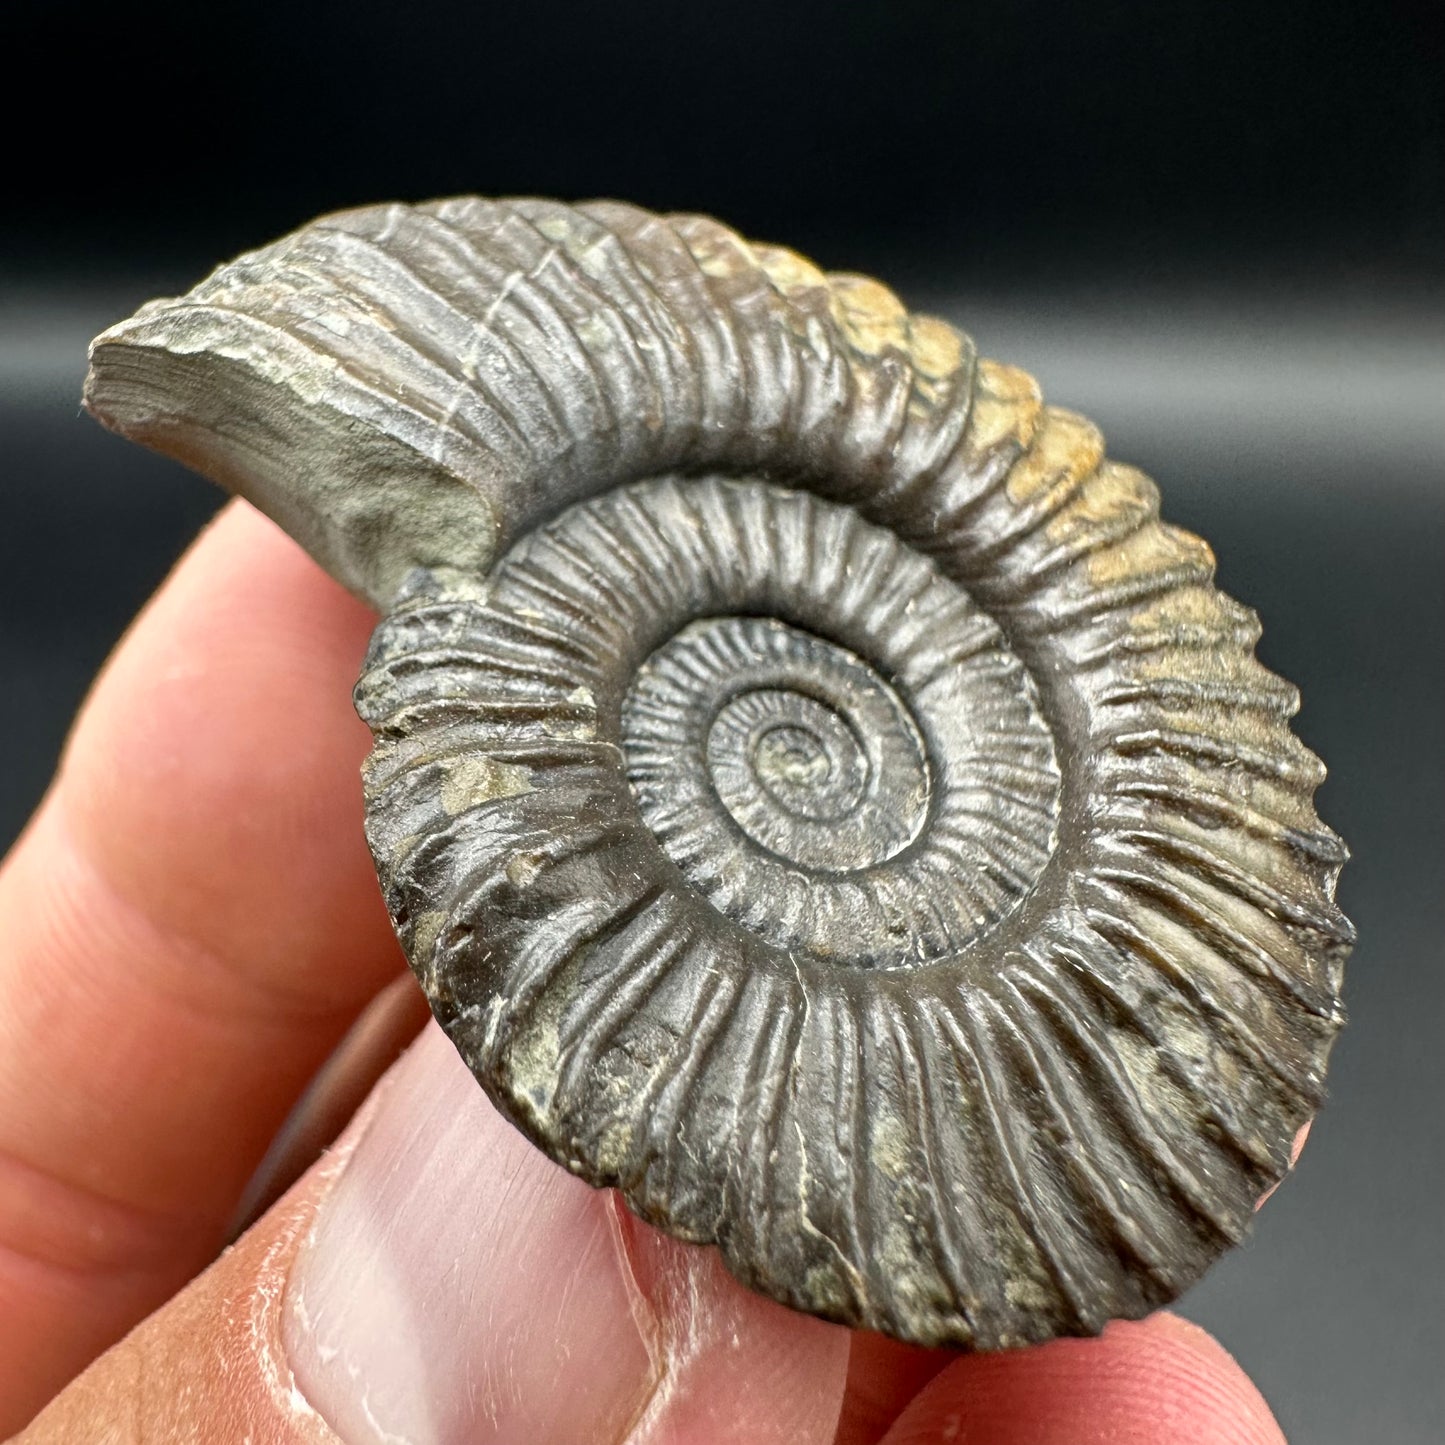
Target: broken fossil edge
(1024, 1064)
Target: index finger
(190, 922)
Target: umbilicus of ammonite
(819, 797)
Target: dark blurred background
(1218, 228)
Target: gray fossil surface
(818, 795)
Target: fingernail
(459, 1287)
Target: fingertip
(883, 1376)
(1158, 1381)
(483, 1293)
(1296, 1148)
(209, 1363)
(222, 732)
(736, 1367)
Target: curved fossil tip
(239, 389)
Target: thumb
(435, 1279)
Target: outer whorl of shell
(818, 795)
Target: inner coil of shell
(817, 794)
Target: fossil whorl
(818, 795)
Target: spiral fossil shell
(818, 795)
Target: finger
(447, 1283)
(883, 1376)
(1296, 1148)
(388, 1024)
(1159, 1381)
(190, 922)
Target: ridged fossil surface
(818, 795)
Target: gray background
(1217, 228)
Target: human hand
(191, 923)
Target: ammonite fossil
(818, 795)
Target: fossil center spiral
(829, 739)
(755, 704)
(809, 752)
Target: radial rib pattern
(1020, 1063)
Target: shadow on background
(1217, 229)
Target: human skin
(190, 925)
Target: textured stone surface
(818, 795)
